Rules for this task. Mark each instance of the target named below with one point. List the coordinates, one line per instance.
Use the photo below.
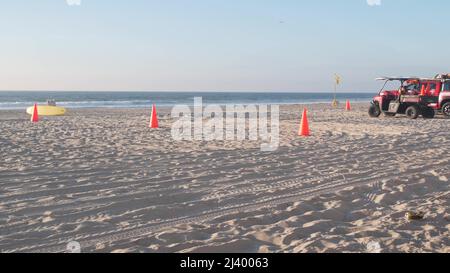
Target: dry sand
(102, 178)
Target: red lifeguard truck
(414, 97)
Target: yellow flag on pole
(337, 78)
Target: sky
(219, 45)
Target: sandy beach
(102, 178)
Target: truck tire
(428, 113)
(413, 112)
(446, 110)
(374, 111)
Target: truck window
(447, 86)
(432, 87)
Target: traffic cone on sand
(35, 115)
(154, 118)
(348, 107)
(304, 126)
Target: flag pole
(335, 90)
(336, 81)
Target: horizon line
(185, 91)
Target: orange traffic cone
(35, 115)
(348, 107)
(154, 118)
(423, 91)
(304, 126)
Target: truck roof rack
(397, 78)
(442, 76)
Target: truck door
(430, 93)
(435, 89)
(444, 97)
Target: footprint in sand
(47, 217)
(441, 178)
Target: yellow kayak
(45, 110)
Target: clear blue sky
(219, 45)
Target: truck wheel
(428, 113)
(374, 111)
(412, 112)
(446, 110)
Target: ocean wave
(22, 100)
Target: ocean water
(21, 100)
